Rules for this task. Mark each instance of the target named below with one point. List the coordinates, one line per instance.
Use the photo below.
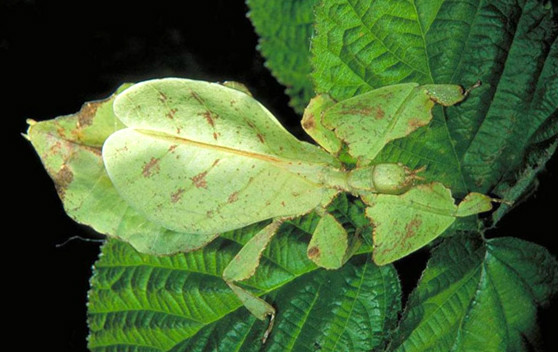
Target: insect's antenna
(84, 239)
(476, 85)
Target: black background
(57, 55)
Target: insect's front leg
(329, 245)
(244, 265)
(313, 125)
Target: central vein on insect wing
(321, 174)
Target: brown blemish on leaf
(233, 197)
(313, 252)
(199, 180)
(215, 162)
(261, 138)
(282, 203)
(233, 102)
(62, 180)
(162, 97)
(151, 167)
(86, 115)
(215, 135)
(171, 113)
(379, 113)
(176, 196)
(209, 213)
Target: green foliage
(180, 303)
(285, 29)
(479, 295)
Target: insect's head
(393, 178)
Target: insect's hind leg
(244, 265)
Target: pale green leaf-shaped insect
(204, 158)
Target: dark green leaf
(180, 303)
(285, 28)
(478, 295)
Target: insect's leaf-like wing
(70, 149)
(200, 157)
(211, 114)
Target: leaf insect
(204, 158)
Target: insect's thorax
(390, 178)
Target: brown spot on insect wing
(415, 123)
(233, 197)
(151, 167)
(356, 110)
(411, 228)
(172, 148)
(62, 180)
(86, 115)
(197, 97)
(176, 196)
(208, 116)
(309, 123)
(60, 130)
(171, 113)
(199, 180)
(379, 113)
(313, 252)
